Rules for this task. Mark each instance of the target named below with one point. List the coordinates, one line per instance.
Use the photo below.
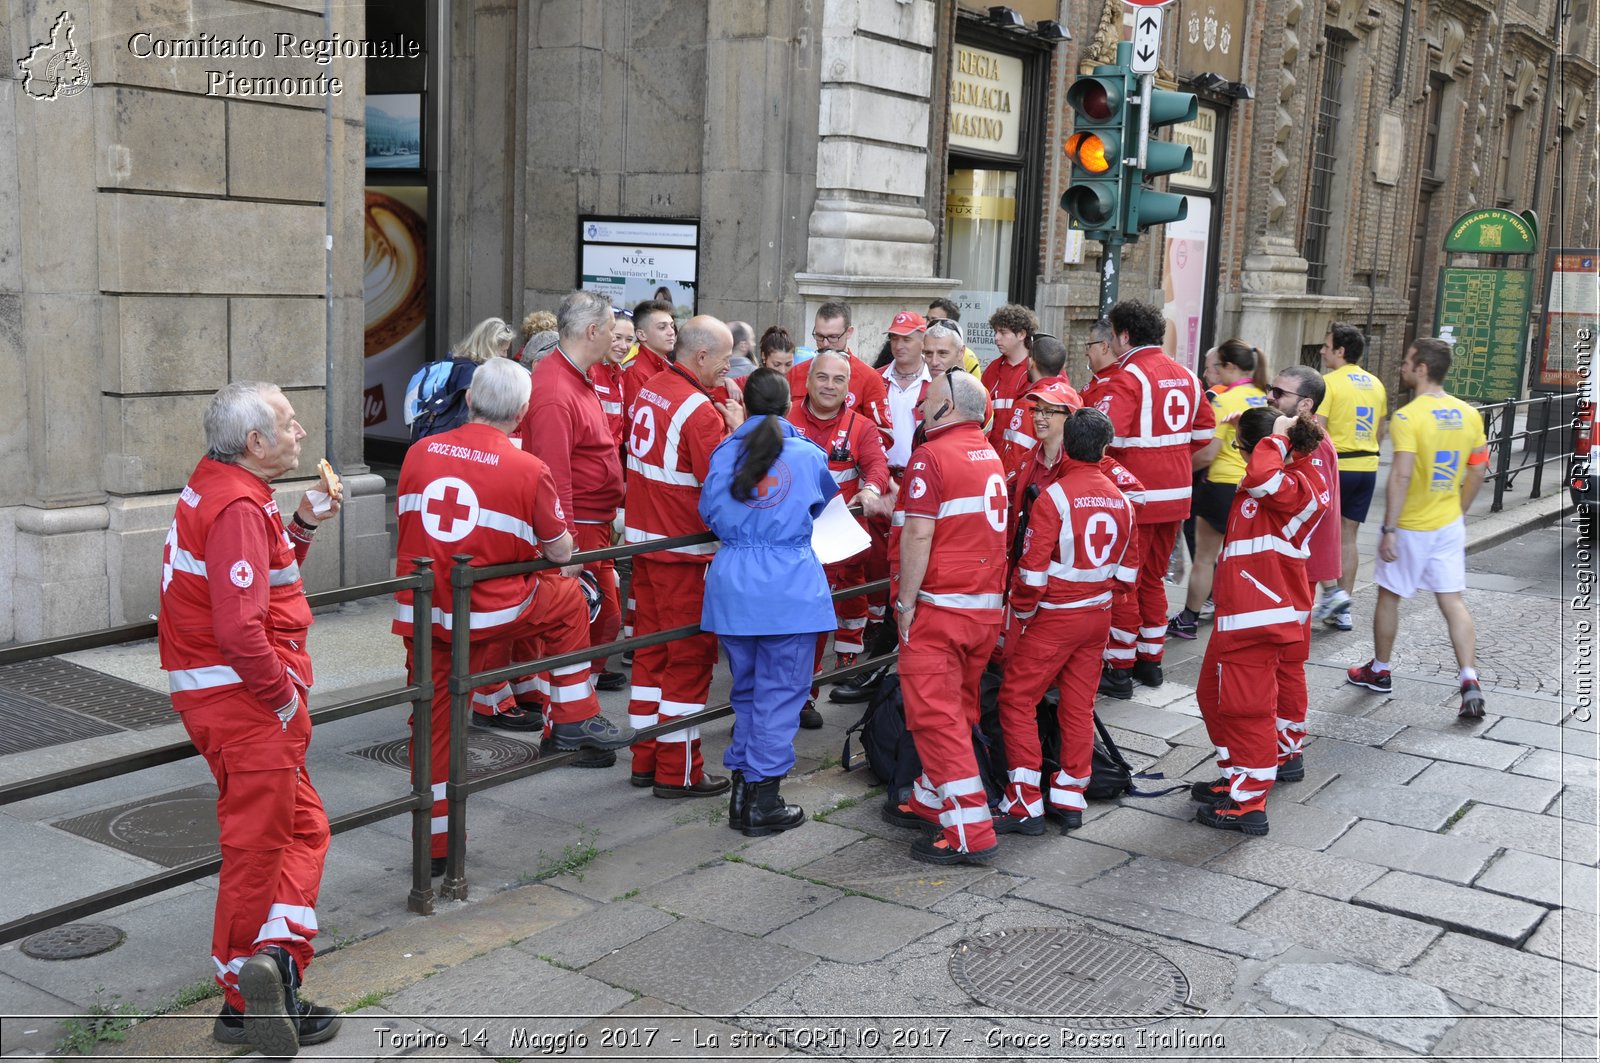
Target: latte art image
(395, 291)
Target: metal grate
(27, 723)
(1324, 161)
(1081, 979)
(168, 829)
(87, 691)
(486, 754)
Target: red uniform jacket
(955, 478)
(1016, 438)
(1078, 532)
(853, 445)
(1159, 416)
(566, 429)
(1324, 561)
(607, 377)
(1261, 590)
(471, 491)
(1034, 473)
(233, 610)
(1006, 384)
(672, 432)
(868, 394)
(645, 364)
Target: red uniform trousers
(851, 613)
(274, 833)
(670, 681)
(876, 567)
(1239, 693)
(1139, 620)
(556, 622)
(940, 665)
(1060, 646)
(605, 626)
(1293, 697)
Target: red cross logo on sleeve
(449, 509)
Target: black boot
(765, 812)
(737, 803)
(276, 1021)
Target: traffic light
(1147, 207)
(1099, 103)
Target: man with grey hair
(744, 341)
(566, 428)
(473, 491)
(232, 633)
(950, 540)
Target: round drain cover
(1085, 980)
(486, 754)
(72, 942)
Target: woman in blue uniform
(766, 594)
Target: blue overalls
(766, 594)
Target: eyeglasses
(1277, 393)
(1049, 410)
(825, 339)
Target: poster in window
(395, 299)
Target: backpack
(886, 744)
(436, 397)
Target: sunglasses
(1277, 393)
(941, 325)
(619, 312)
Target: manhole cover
(168, 829)
(486, 754)
(104, 697)
(1085, 980)
(72, 942)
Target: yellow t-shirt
(1228, 465)
(1355, 406)
(1441, 431)
(970, 363)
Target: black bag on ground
(891, 755)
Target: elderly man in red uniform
(472, 490)
(1008, 376)
(950, 540)
(831, 330)
(1061, 595)
(859, 467)
(674, 427)
(232, 633)
(1160, 416)
(565, 427)
(1047, 361)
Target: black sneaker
(586, 758)
(1148, 673)
(1293, 769)
(596, 732)
(627, 658)
(1472, 702)
(642, 779)
(1185, 625)
(317, 1025)
(859, 687)
(1209, 792)
(1116, 683)
(611, 681)
(933, 849)
(266, 1022)
(1005, 823)
(1227, 814)
(521, 718)
(902, 816)
(810, 718)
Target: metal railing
(1499, 425)
(419, 800)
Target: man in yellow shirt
(1353, 408)
(1439, 457)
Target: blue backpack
(436, 397)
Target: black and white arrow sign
(1146, 40)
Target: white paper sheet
(835, 535)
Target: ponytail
(1248, 359)
(761, 448)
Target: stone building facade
(161, 234)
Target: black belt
(1342, 454)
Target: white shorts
(1429, 561)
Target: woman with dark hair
(1256, 659)
(766, 593)
(777, 349)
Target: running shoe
(1364, 676)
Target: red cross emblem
(766, 486)
(643, 434)
(1099, 536)
(1176, 410)
(449, 509)
(995, 503)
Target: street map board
(1488, 311)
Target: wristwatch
(899, 608)
(1386, 530)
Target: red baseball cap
(1057, 393)
(906, 322)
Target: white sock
(1469, 674)
(1379, 666)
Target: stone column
(871, 241)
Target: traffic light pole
(1110, 273)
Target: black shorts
(1355, 494)
(1212, 502)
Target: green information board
(1487, 311)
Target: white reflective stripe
(898, 520)
(1157, 632)
(1100, 599)
(1119, 653)
(1261, 618)
(1127, 575)
(1135, 442)
(571, 669)
(276, 930)
(922, 790)
(1027, 775)
(1291, 529)
(299, 913)
(1072, 800)
(1149, 647)
(441, 824)
(857, 623)
(972, 784)
(1222, 755)
(1262, 587)
(404, 613)
(229, 968)
(639, 693)
(1021, 439)
(525, 686)
(1032, 578)
(491, 699)
(184, 561)
(1263, 544)
(1002, 404)
(283, 577)
(1270, 486)
(963, 601)
(1031, 808)
(207, 678)
(847, 647)
(963, 814)
(1288, 725)
(567, 695)
(1146, 404)
(635, 535)
(1168, 494)
(1203, 435)
(610, 407)
(844, 476)
(665, 476)
(1072, 574)
(685, 735)
(509, 525)
(1061, 778)
(1121, 635)
(1029, 615)
(637, 722)
(438, 791)
(680, 708)
(966, 504)
(669, 449)
(541, 684)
